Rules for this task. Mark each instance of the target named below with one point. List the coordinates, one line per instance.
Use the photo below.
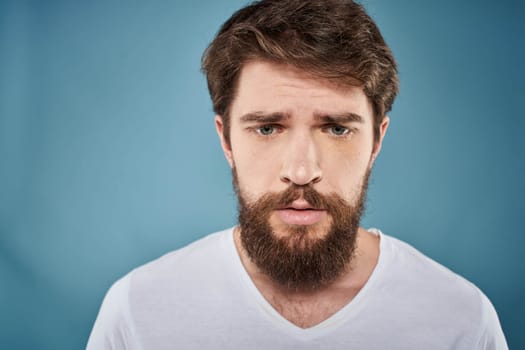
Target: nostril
(285, 179)
(301, 176)
(316, 179)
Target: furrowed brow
(261, 117)
(340, 118)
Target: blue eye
(266, 130)
(338, 130)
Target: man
(301, 90)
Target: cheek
(257, 168)
(343, 172)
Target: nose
(301, 160)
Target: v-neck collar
(343, 315)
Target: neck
(307, 308)
(351, 280)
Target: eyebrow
(339, 118)
(262, 117)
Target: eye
(338, 130)
(266, 130)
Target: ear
(226, 147)
(382, 132)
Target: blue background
(109, 158)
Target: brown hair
(330, 39)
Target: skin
(281, 133)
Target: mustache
(330, 202)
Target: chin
(300, 237)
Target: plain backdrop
(109, 158)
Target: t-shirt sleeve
(491, 335)
(112, 329)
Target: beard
(304, 257)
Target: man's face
(301, 149)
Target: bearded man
(301, 90)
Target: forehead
(271, 87)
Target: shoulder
(210, 249)
(113, 327)
(143, 296)
(409, 265)
(439, 294)
(207, 257)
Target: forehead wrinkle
(273, 88)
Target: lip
(300, 204)
(304, 216)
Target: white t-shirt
(201, 297)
